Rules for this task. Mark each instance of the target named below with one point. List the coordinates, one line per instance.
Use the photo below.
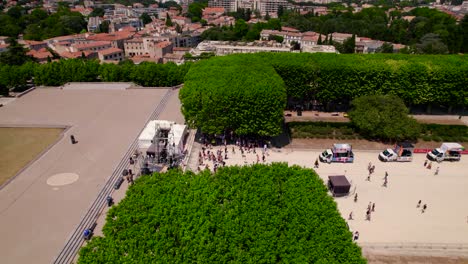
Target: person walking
(425, 163)
(385, 183)
(419, 204)
(316, 164)
(424, 208)
(350, 217)
(386, 175)
(436, 171)
(429, 166)
(356, 236)
(369, 207)
(368, 215)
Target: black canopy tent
(338, 185)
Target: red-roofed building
(32, 44)
(111, 54)
(75, 55)
(117, 38)
(182, 21)
(40, 55)
(94, 46)
(84, 11)
(213, 11)
(289, 29)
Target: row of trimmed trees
(77, 70)
(247, 94)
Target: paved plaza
(41, 207)
(396, 220)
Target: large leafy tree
(234, 93)
(257, 214)
(383, 117)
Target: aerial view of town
(234, 131)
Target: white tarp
(451, 146)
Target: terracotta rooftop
(163, 44)
(92, 44)
(73, 55)
(40, 54)
(213, 10)
(121, 35)
(109, 51)
(289, 29)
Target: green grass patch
(20, 145)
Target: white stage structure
(162, 141)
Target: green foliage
(431, 44)
(195, 10)
(15, 77)
(385, 48)
(63, 71)
(435, 132)
(383, 117)
(63, 22)
(97, 12)
(242, 31)
(169, 21)
(376, 23)
(145, 18)
(15, 54)
(145, 74)
(322, 130)
(257, 214)
(349, 45)
(240, 93)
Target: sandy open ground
(42, 206)
(396, 223)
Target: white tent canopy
(176, 135)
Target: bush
(255, 214)
(383, 117)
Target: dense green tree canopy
(257, 214)
(236, 93)
(376, 23)
(384, 117)
(38, 25)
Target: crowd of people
(215, 156)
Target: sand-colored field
(20, 145)
(397, 224)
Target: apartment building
(93, 46)
(111, 55)
(230, 47)
(228, 5)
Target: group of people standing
(219, 156)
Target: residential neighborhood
(168, 34)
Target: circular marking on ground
(62, 179)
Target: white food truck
(401, 152)
(339, 153)
(447, 151)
